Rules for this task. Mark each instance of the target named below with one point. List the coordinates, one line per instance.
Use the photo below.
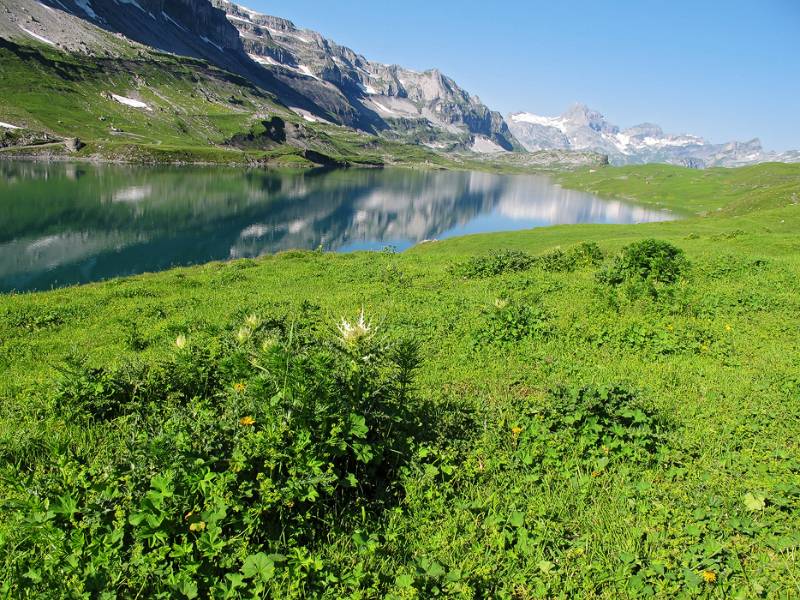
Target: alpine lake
(63, 224)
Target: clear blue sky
(721, 69)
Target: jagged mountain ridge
(106, 27)
(581, 128)
(429, 109)
(426, 107)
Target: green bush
(587, 430)
(513, 261)
(508, 321)
(494, 263)
(564, 261)
(238, 459)
(604, 423)
(646, 267)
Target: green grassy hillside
(563, 412)
(194, 110)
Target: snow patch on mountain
(130, 102)
(308, 116)
(132, 2)
(173, 21)
(8, 126)
(556, 122)
(304, 70)
(208, 41)
(284, 33)
(265, 60)
(386, 109)
(36, 36)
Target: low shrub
(586, 254)
(590, 429)
(494, 263)
(508, 321)
(240, 457)
(647, 267)
(604, 422)
(513, 261)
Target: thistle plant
(357, 331)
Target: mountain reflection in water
(64, 223)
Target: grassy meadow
(567, 412)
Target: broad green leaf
(258, 566)
(404, 581)
(754, 503)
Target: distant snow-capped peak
(581, 128)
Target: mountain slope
(426, 107)
(191, 28)
(581, 128)
(318, 79)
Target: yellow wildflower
(247, 421)
(198, 526)
(596, 473)
(728, 327)
(709, 576)
(516, 430)
(240, 387)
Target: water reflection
(64, 223)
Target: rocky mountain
(119, 28)
(315, 77)
(581, 128)
(427, 107)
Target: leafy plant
(513, 261)
(647, 267)
(242, 461)
(604, 423)
(509, 321)
(494, 263)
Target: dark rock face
(371, 96)
(273, 132)
(24, 137)
(176, 26)
(192, 28)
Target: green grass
(520, 481)
(701, 191)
